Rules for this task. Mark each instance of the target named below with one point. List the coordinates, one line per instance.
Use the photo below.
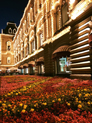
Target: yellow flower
(44, 103)
(16, 93)
(9, 105)
(79, 106)
(76, 99)
(79, 101)
(21, 104)
(35, 105)
(79, 95)
(25, 106)
(9, 94)
(68, 104)
(14, 106)
(32, 109)
(3, 104)
(30, 86)
(88, 103)
(59, 99)
(23, 111)
(13, 109)
(85, 89)
(0, 101)
(53, 100)
(86, 95)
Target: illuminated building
(53, 38)
(6, 46)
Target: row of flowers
(9, 83)
(64, 100)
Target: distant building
(6, 46)
(54, 37)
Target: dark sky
(11, 10)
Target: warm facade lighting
(83, 35)
(81, 68)
(86, 29)
(72, 1)
(79, 53)
(86, 62)
(83, 25)
(88, 56)
(80, 8)
(80, 47)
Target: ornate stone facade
(54, 25)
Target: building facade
(6, 46)
(54, 38)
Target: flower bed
(48, 100)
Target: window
(58, 19)
(41, 39)
(26, 70)
(22, 71)
(64, 13)
(63, 65)
(8, 45)
(8, 60)
(9, 30)
(41, 69)
(33, 46)
(14, 31)
(61, 16)
(8, 48)
(40, 5)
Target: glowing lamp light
(52, 7)
(72, 1)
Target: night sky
(11, 10)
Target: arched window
(35, 7)
(45, 29)
(14, 31)
(61, 15)
(58, 18)
(40, 5)
(8, 45)
(41, 38)
(8, 60)
(33, 46)
(10, 30)
(64, 10)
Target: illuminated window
(58, 18)
(26, 70)
(8, 45)
(61, 16)
(41, 39)
(33, 46)
(8, 60)
(63, 65)
(41, 69)
(64, 13)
